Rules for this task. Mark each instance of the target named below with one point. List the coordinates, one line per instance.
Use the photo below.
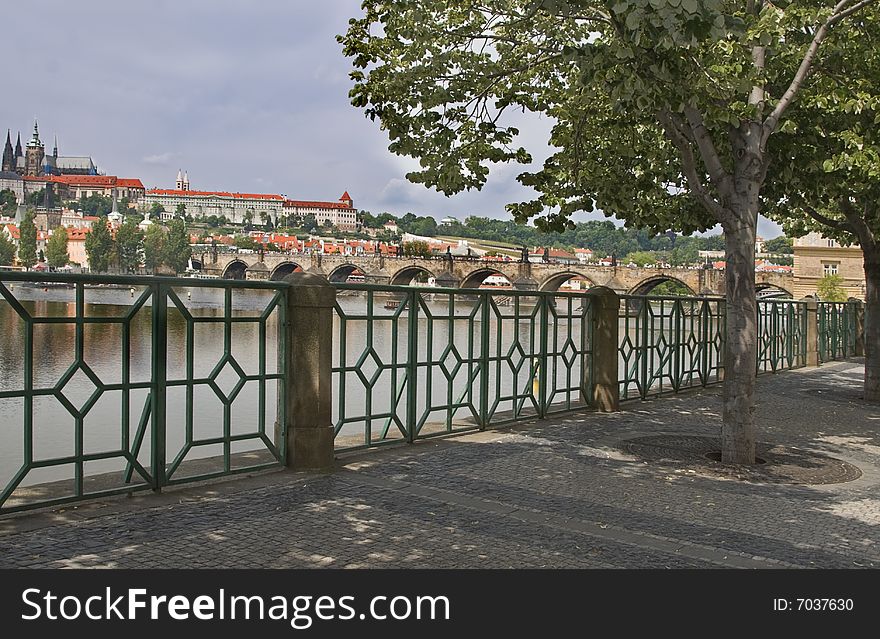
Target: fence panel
(101, 392)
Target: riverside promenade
(562, 493)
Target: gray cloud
(243, 95)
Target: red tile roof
(106, 181)
(77, 234)
(245, 196)
(315, 205)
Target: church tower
(34, 154)
(179, 183)
(185, 181)
(18, 154)
(8, 155)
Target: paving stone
(560, 493)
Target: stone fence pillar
(605, 319)
(812, 331)
(309, 392)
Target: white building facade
(234, 206)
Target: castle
(34, 162)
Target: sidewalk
(559, 493)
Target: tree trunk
(872, 323)
(741, 348)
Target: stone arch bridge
(470, 273)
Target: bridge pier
(525, 284)
(447, 280)
(376, 279)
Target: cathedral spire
(8, 155)
(35, 140)
(18, 152)
(55, 149)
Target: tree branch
(859, 228)
(837, 225)
(689, 167)
(719, 177)
(840, 11)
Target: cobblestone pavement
(558, 493)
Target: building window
(829, 268)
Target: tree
(837, 187)
(245, 242)
(37, 198)
(780, 245)
(641, 258)
(8, 202)
(830, 289)
(156, 210)
(664, 112)
(670, 287)
(154, 247)
(684, 255)
(129, 246)
(56, 248)
(95, 204)
(177, 249)
(416, 248)
(27, 240)
(99, 246)
(7, 250)
(180, 211)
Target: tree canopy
(27, 240)
(7, 250)
(99, 246)
(56, 248)
(664, 112)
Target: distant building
(76, 187)
(816, 256)
(76, 245)
(341, 214)
(234, 206)
(11, 181)
(35, 162)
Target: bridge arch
(553, 282)
(647, 285)
(404, 276)
(235, 270)
(475, 278)
(196, 264)
(765, 290)
(284, 269)
(342, 272)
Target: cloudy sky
(246, 96)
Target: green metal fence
(669, 343)
(158, 394)
(413, 363)
(196, 388)
(782, 335)
(837, 330)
